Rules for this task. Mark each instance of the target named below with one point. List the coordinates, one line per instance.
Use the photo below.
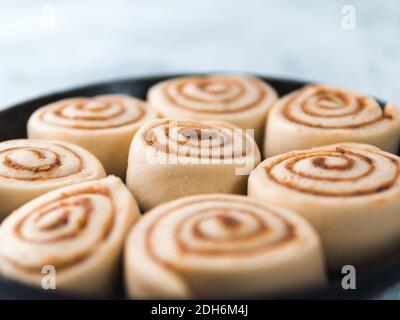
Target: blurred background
(48, 45)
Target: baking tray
(370, 281)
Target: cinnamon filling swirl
(38, 163)
(103, 112)
(229, 228)
(220, 245)
(215, 94)
(336, 173)
(198, 139)
(331, 108)
(79, 221)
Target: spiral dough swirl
(68, 229)
(228, 227)
(78, 230)
(216, 94)
(101, 112)
(38, 163)
(198, 139)
(41, 161)
(324, 107)
(335, 171)
(216, 236)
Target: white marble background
(50, 45)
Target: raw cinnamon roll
(77, 230)
(104, 125)
(221, 246)
(349, 192)
(319, 115)
(241, 100)
(170, 159)
(29, 168)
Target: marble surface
(52, 45)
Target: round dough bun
(318, 115)
(171, 158)
(104, 125)
(29, 168)
(77, 232)
(221, 246)
(349, 192)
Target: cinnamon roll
(104, 125)
(170, 159)
(29, 168)
(77, 230)
(349, 192)
(318, 115)
(241, 100)
(213, 246)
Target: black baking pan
(370, 281)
